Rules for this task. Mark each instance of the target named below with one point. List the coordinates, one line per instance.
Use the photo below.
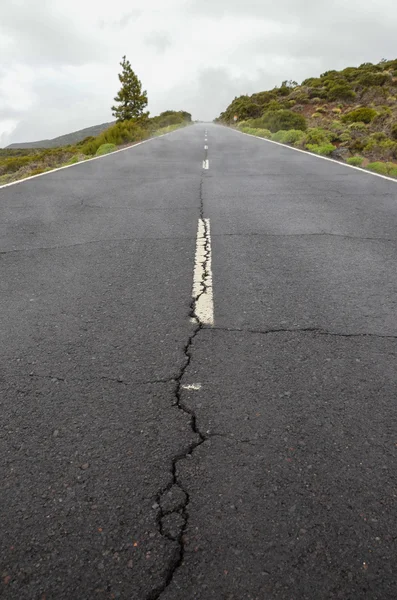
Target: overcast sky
(59, 59)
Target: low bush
(283, 120)
(355, 161)
(357, 145)
(362, 115)
(75, 159)
(300, 96)
(105, 149)
(345, 137)
(340, 91)
(255, 123)
(323, 149)
(288, 137)
(358, 126)
(13, 164)
(378, 167)
(264, 133)
(317, 136)
(393, 132)
(370, 79)
(393, 172)
(385, 149)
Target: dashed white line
(206, 164)
(202, 277)
(205, 147)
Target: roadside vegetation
(133, 125)
(349, 115)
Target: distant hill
(64, 140)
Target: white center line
(206, 164)
(202, 277)
(205, 147)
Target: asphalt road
(148, 452)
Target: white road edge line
(335, 162)
(83, 162)
(202, 277)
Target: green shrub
(355, 161)
(392, 169)
(340, 91)
(357, 145)
(370, 79)
(257, 123)
(316, 115)
(72, 161)
(345, 137)
(317, 136)
(379, 136)
(264, 133)
(288, 137)
(362, 115)
(300, 96)
(381, 149)
(312, 82)
(13, 164)
(105, 149)
(358, 126)
(283, 119)
(378, 167)
(323, 149)
(394, 131)
(278, 136)
(336, 126)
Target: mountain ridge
(63, 140)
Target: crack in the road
(313, 234)
(180, 510)
(99, 242)
(317, 330)
(118, 380)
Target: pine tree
(131, 99)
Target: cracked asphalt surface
(145, 456)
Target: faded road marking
(193, 386)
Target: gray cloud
(159, 40)
(60, 58)
(41, 35)
(127, 19)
